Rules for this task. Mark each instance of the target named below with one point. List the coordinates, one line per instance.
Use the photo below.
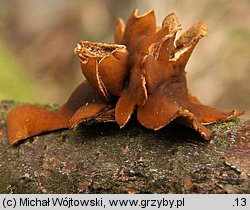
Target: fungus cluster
(143, 73)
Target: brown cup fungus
(143, 72)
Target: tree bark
(101, 158)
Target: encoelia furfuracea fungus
(142, 73)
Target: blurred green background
(37, 38)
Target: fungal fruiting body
(143, 72)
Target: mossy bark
(101, 158)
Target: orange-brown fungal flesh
(90, 71)
(171, 101)
(124, 108)
(30, 120)
(196, 31)
(113, 71)
(135, 94)
(208, 115)
(26, 121)
(104, 66)
(119, 30)
(137, 27)
(188, 119)
(102, 62)
(86, 112)
(163, 110)
(138, 31)
(83, 94)
(144, 72)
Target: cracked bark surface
(101, 158)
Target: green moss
(51, 107)
(223, 127)
(6, 106)
(11, 189)
(90, 158)
(223, 145)
(220, 132)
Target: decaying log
(101, 158)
